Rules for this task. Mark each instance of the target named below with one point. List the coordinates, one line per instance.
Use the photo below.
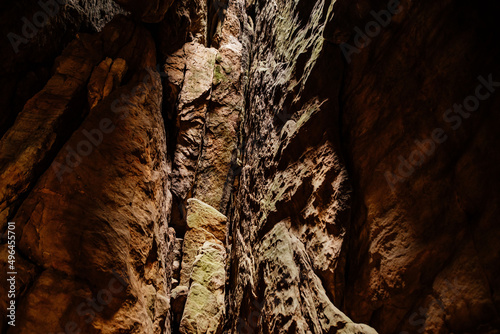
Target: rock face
(205, 98)
(293, 299)
(34, 33)
(387, 250)
(293, 180)
(190, 73)
(52, 112)
(422, 259)
(95, 223)
(251, 166)
(147, 11)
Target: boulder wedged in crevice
(204, 224)
(204, 309)
(198, 301)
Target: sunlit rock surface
(251, 166)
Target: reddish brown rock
(205, 98)
(39, 130)
(104, 78)
(422, 253)
(51, 115)
(214, 178)
(100, 221)
(34, 34)
(190, 73)
(185, 22)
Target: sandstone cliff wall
(304, 166)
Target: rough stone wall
(415, 105)
(291, 212)
(32, 37)
(411, 247)
(92, 232)
(279, 166)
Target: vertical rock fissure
(291, 166)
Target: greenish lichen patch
(293, 38)
(219, 75)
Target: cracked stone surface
(251, 166)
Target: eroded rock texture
(423, 250)
(204, 99)
(147, 11)
(251, 166)
(415, 253)
(95, 224)
(293, 177)
(33, 34)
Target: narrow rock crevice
(251, 166)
